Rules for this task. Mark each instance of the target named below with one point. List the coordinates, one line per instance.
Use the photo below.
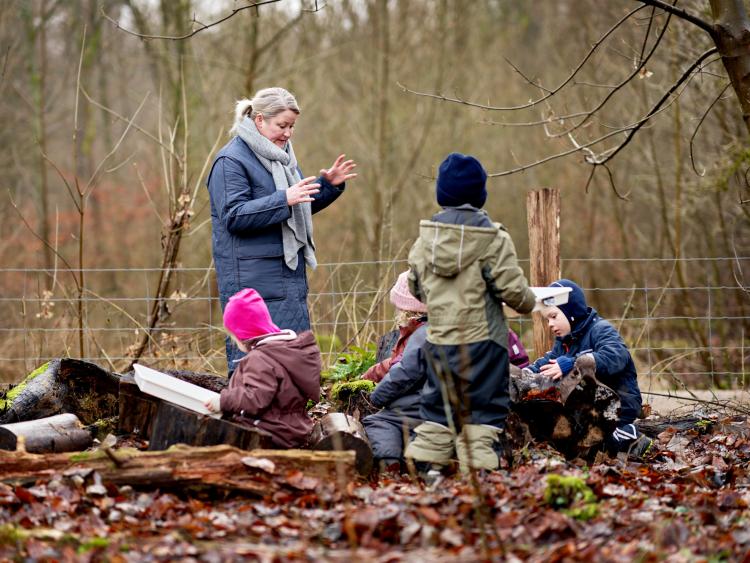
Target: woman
(261, 210)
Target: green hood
(452, 248)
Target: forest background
(113, 109)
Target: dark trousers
(386, 429)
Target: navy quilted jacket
(246, 216)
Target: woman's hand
(302, 191)
(340, 171)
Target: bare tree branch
(549, 93)
(685, 75)
(136, 127)
(698, 126)
(631, 129)
(202, 27)
(682, 14)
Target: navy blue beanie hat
(575, 310)
(461, 179)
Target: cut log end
(341, 432)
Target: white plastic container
(174, 390)
(550, 296)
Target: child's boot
(431, 448)
(476, 447)
(627, 438)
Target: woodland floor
(690, 504)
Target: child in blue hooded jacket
(579, 331)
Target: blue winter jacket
(401, 388)
(614, 364)
(246, 216)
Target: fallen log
(573, 414)
(62, 385)
(260, 472)
(339, 432)
(59, 433)
(173, 424)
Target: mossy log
(259, 472)
(573, 414)
(173, 424)
(59, 433)
(338, 431)
(60, 386)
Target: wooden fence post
(543, 215)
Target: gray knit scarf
(296, 232)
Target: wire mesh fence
(685, 320)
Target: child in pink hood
(271, 385)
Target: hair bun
(242, 108)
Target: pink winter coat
(271, 385)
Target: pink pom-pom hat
(402, 298)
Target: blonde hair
(403, 318)
(268, 102)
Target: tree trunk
(60, 433)
(260, 472)
(732, 37)
(177, 425)
(339, 431)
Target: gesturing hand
(340, 171)
(302, 191)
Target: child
(410, 315)
(400, 381)
(273, 382)
(579, 331)
(464, 266)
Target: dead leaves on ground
(692, 503)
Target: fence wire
(685, 320)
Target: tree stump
(338, 431)
(176, 425)
(54, 434)
(573, 414)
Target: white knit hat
(402, 298)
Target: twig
(123, 118)
(682, 14)
(733, 406)
(550, 92)
(204, 27)
(695, 132)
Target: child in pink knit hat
(273, 382)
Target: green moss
(344, 389)
(11, 396)
(87, 456)
(10, 535)
(572, 496)
(93, 543)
